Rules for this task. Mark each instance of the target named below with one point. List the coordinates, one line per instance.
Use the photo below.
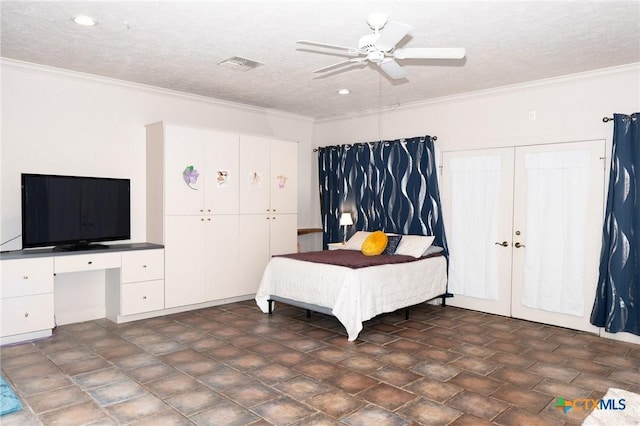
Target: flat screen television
(74, 212)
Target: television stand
(133, 286)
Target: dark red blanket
(353, 259)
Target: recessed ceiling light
(87, 21)
(344, 91)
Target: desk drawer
(26, 314)
(86, 262)
(142, 297)
(24, 277)
(142, 265)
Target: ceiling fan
(380, 48)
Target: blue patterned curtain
(617, 304)
(387, 185)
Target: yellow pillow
(375, 244)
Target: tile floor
(233, 365)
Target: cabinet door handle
(26, 277)
(144, 297)
(26, 314)
(503, 244)
(518, 245)
(144, 266)
(89, 262)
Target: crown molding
(149, 89)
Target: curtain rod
(626, 117)
(433, 138)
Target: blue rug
(9, 402)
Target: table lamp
(345, 220)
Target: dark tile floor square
(233, 365)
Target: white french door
(545, 202)
(477, 198)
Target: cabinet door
(23, 277)
(184, 170)
(26, 314)
(141, 297)
(283, 234)
(284, 177)
(224, 261)
(254, 175)
(223, 174)
(254, 251)
(184, 260)
(557, 232)
(477, 203)
(142, 265)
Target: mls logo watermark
(590, 404)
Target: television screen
(74, 211)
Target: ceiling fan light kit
(380, 48)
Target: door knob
(518, 245)
(503, 244)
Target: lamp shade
(345, 219)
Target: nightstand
(336, 246)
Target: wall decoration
(255, 181)
(282, 181)
(222, 178)
(190, 176)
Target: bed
(351, 286)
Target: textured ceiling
(177, 45)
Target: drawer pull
(144, 266)
(26, 314)
(26, 277)
(89, 262)
(144, 297)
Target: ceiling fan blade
(430, 53)
(329, 46)
(391, 34)
(339, 64)
(392, 69)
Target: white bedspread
(353, 295)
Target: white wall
(59, 122)
(68, 123)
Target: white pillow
(355, 242)
(414, 245)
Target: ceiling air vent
(240, 64)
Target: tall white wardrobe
(222, 204)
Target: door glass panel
(557, 185)
(475, 201)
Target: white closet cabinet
(524, 226)
(269, 173)
(268, 204)
(201, 169)
(198, 181)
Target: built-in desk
(134, 285)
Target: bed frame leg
(406, 314)
(308, 313)
(270, 304)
